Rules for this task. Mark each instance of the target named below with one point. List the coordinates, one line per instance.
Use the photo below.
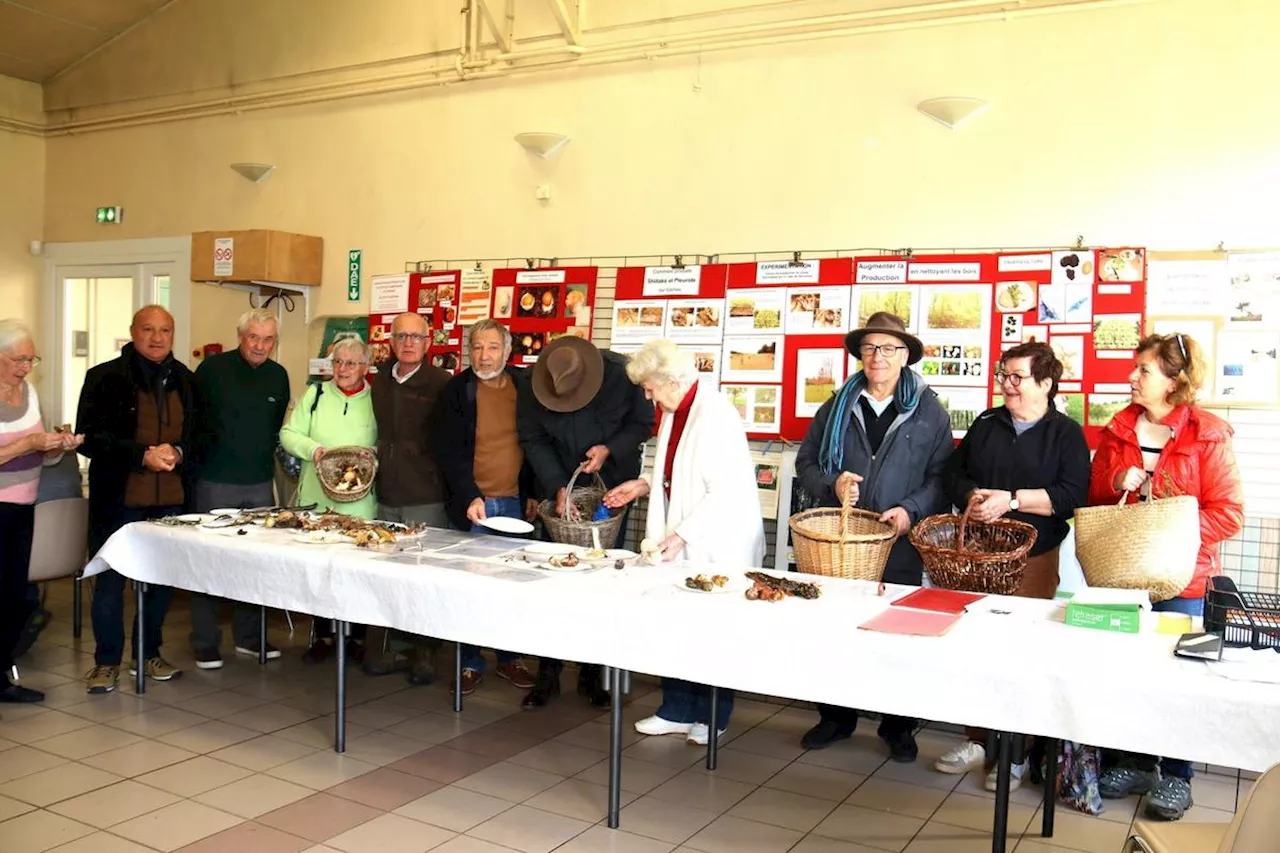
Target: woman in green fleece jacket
(336, 413)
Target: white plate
(1015, 303)
(718, 590)
(549, 549)
(192, 517)
(581, 567)
(508, 525)
(620, 554)
(224, 511)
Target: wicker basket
(1152, 545)
(987, 557)
(579, 504)
(334, 463)
(841, 543)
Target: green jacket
(338, 421)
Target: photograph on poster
(817, 310)
(1121, 264)
(1070, 351)
(1071, 405)
(950, 308)
(1079, 303)
(575, 296)
(1252, 310)
(1035, 334)
(902, 302)
(1247, 366)
(964, 405)
(819, 372)
(527, 344)
(1015, 296)
(954, 360)
(638, 321)
(1256, 271)
(1117, 331)
(755, 310)
(695, 319)
(1011, 329)
(446, 293)
(1103, 407)
(538, 302)
(440, 338)
(1074, 266)
(503, 299)
(757, 405)
(1052, 303)
(757, 358)
(427, 297)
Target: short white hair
(488, 325)
(662, 362)
(352, 344)
(257, 315)
(12, 333)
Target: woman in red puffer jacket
(1164, 443)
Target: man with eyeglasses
(883, 441)
(410, 487)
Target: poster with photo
(754, 358)
(768, 472)
(503, 302)
(759, 406)
(1247, 367)
(1117, 331)
(473, 300)
(1071, 405)
(575, 300)
(1016, 296)
(706, 359)
(695, 320)
(902, 302)
(954, 360)
(638, 321)
(1011, 329)
(1101, 408)
(1257, 310)
(955, 309)
(527, 346)
(538, 302)
(1116, 265)
(817, 310)
(755, 311)
(1254, 271)
(964, 405)
(1075, 266)
(1070, 351)
(819, 374)
(1065, 303)
(388, 294)
(1187, 287)
(1035, 334)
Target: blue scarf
(831, 454)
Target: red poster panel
(694, 280)
(539, 305)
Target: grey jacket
(907, 472)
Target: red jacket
(1197, 461)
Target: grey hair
(353, 344)
(494, 326)
(257, 315)
(661, 361)
(12, 333)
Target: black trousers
(847, 718)
(17, 524)
(107, 609)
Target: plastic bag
(1078, 772)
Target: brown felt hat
(568, 374)
(886, 324)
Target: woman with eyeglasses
(336, 413)
(1164, 444)
(25, 448)
(1027, 461)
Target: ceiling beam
(503, 31)
(568, 25)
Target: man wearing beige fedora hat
(884, 439)
(580, 409)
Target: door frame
(59, 258)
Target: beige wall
(22, 168)
(1152, 124)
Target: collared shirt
(403, 378)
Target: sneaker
(1016, 772)
(470, 681)
(102, 679)
(962, 759)
(250, 649)
(825, 733)
(208, 659)
(16, 693)
(1170, 799)
(1120, 782)
(699, 733)
(656, 725)
(517, 674)
(157, 669)
(902, 745)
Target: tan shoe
(157, 669)
(102, 679)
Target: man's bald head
(152, 332)
(410, 336)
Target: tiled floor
(240, 760)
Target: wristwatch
(1013, 501)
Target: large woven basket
(575, 526)
(986, 557)
(335, 462)
(1151, 545)
(841, 543)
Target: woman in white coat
(703, 506)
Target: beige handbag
(1151, 545)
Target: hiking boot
(1120, 782)
(1170, 799)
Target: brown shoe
(517, 674)
(470, 681)
(422, 672)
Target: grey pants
(246, 619)
(432, 515)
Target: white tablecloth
(1019, 671)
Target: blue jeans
(107, 609)
(493, 508)
(1189, 606)
(686, 702)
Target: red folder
(938, 600)
(917, 623)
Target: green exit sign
(110, 215)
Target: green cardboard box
(1106, 617)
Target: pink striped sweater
(20, 477)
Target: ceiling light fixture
(952, 111)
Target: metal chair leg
(77, 603)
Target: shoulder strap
(315, 402)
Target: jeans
(107, 609)
(508, 507)
(686, 702)
(246, 619)
(17, 525)
(847, 719)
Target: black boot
(589, 686)
(545, 686)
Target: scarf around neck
(906, 396)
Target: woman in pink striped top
(25, 448)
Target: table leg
(713, 739)
(340, 718)
(615, 746)
(1052, 749)
(262, 635)
(1003, 771)
(457, 678)
(140, 639)
(77, 603)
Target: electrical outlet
(543, 192)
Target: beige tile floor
(240, 760)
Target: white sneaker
(699, 732)
(1016, 772)
(962, 759)
(655, 725)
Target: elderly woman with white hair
(25, 448)
(336, 413)
(702, 483)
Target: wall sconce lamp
(542, 144)
(255, 172)
(952, 111)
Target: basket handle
(568, 492)
(846, 509)
(964, 522)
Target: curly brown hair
(1182, 360)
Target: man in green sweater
(245, 395)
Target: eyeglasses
(887, 350)
(408, 337)
(1014, 379)
(26, 360)
(340, 363)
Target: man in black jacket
(884, 440)
(580, 409)
(138, 414)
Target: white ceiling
(39, 38)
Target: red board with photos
(434, 295)
(540, 305)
